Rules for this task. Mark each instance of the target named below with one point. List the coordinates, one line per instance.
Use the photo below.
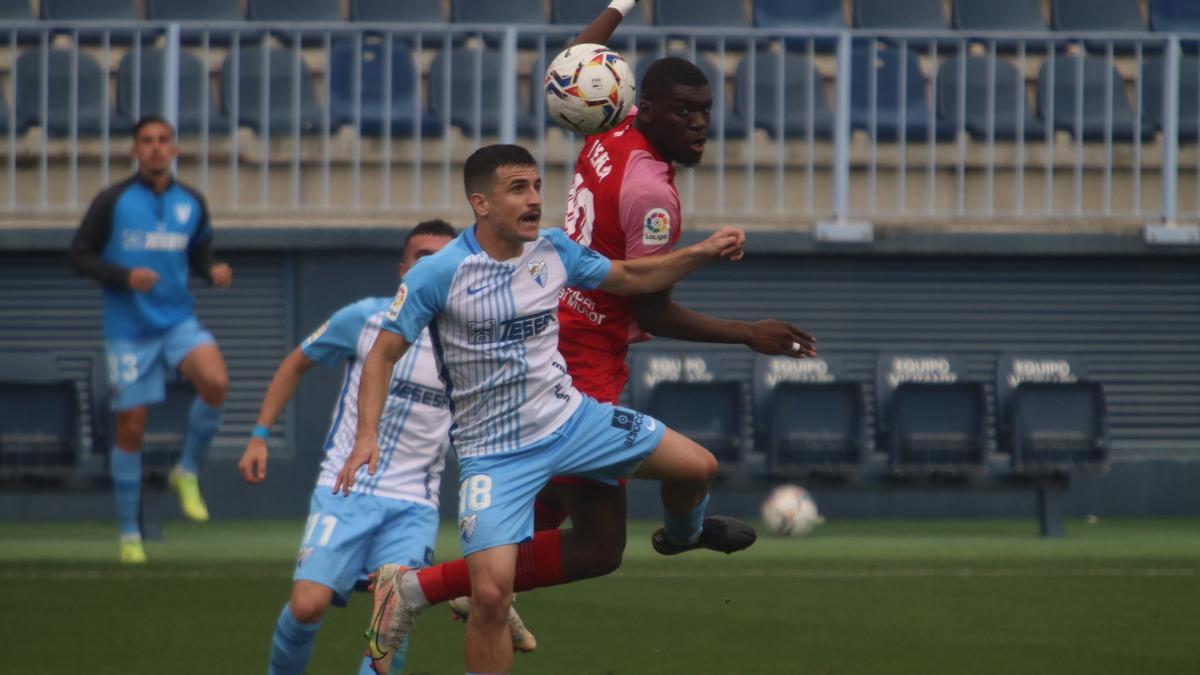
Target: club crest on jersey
(537, 270)
(183, 212)
(393, 312)
(466, 527)
(657, 227)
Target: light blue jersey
(494, 327)
(413, 430)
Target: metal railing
(812, 125)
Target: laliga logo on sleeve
(537, 270)
(658, 227)
(393, 312)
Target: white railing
(894, 147)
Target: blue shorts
(137, 369)
(599, 441)
(347, 538)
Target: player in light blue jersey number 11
(490, 302)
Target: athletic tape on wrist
(622, 6)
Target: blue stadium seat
(91, 102)
(581, 12)
(887, 101)
(98, 10)
(17, 10)
(39, 417)
(8, 119)
(1049, 416)
(1175, 16)
(193, 86)
(467, 93)
(930, 418)
(810, 14)
(799, 78)
(397, 11)
(734, 123)
(320, 13)
(889, 14)
(807, 417)
(1189, 95)
(1010, 15)
(1111, 16)
(1066, 83)
(279, 91)
(525, 12)
(689, 393)
(709, 14)
(209, 10)
(405, 100)
(1009, 105)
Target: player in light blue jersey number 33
(490, 300)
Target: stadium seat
(192, 82)
(320, 13)
(98, 10)
(523, 12)
(801, 14)
(9, 118)
(1111, 16)
(468, 93)
(1175, 16)
(1189, 95)
(404, 97)
(278, 75)
(581, 12)
(708, 14)
(1066, 82)
(734, 123)
(91, 104)
(394, 11)
(799, 79)
(17, 10)
(689, 393)
(889, 14)
(1009, 105)
(807, 418)
(192, 11)
(930, 418)
(1050, 417)
(1009, 15)
(39, 417)
(887, 100)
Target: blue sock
(397, 661)
(126, 471)
(203, 422)
(292, 644)
(685, 529)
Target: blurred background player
(138, 239)
(636, 214)
(392, 518)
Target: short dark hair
(436, 227)
(480, 168)
(669, 72)
(152, 119)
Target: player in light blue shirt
(490, 300)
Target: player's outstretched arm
(603, 26)
(657, 314)
(253, 464)
(372, 393)
(655, 273)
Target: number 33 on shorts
(474, 494)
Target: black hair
(152, 119)
(669, 72)
(479, 171)
(436, 227)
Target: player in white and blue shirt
(393, 517)
(489, 300)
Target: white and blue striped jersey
(414, 429)
(494, 328)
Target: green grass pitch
(925, 597)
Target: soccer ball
(589, 89)
(790, 511)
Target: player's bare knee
(606, 557)
(213, 387)
(490, 603)
(131, 429)
(307, 608)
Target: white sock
(410, 588)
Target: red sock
(539, 564)
(547, 517)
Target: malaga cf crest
(537, 270)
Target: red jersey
(623, 204)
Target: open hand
(365, 452)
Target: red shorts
(599, 374)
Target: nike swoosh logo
(378, 651)
(474, 290)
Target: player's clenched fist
(365, 452)
(727, 243)
(142, 279)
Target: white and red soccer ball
(790, 511)
(589, 89)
